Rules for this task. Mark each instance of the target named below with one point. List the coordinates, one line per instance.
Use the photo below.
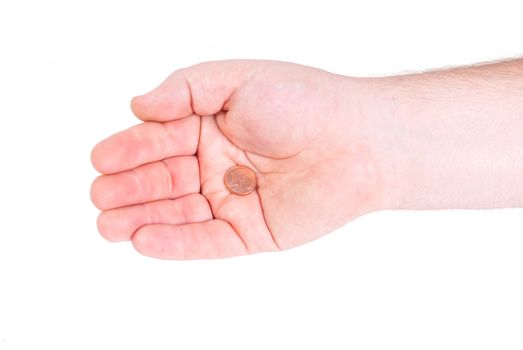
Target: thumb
(202, 89)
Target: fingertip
(95, 193)
(100, 194)
(96, 158)
(103, 155)
(139, 239)
(162, 242)
(148, 244)
(137, 103)
(101, 224)
(105, 228)
(108, 155)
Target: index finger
(145, 143)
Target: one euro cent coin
(240, 180)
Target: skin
(326, 148)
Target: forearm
(451, 138)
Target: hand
(298, 128)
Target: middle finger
(169, 178)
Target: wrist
(376, 109)
(369, 132)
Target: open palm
(163, 179)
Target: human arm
(326, 148)
(454, 137)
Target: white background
(389, 280)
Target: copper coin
(240, 180)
